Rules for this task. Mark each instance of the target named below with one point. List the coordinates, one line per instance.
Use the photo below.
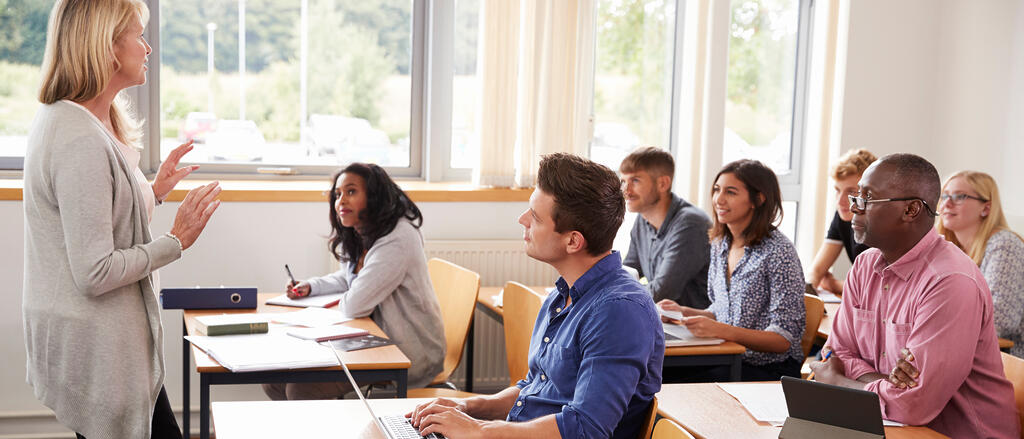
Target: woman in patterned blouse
(755, 281)
(972, 218)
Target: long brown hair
(760, 181)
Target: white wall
(937, 78)
(245, 244)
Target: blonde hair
(986, 188)
(79, 60)
(854, 162)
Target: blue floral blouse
(766, 293)
(1003, 268)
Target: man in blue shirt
(597, 348)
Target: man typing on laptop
(597, 347)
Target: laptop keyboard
(400, 428)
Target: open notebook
(678, 335)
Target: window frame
(147, 98)
(790, 183)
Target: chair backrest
(1013, 367)
(520, 306)
(815, 308)
(456, 289)
(668, 429)
(649, 416)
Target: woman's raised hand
(194, 212)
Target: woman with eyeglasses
(972, 218)
(755, 280)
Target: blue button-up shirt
(595, 364)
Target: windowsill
(314, 190)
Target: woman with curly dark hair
(375, 234)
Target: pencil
(823, 359)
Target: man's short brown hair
(852, 163)
(588, 198)
(653, 160)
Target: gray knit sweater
(394, 289)
(92, 318)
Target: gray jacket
(92, 319)
(394, 289)
(675, 257)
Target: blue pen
(823, 359)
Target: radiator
(497, 261)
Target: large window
(633, 77)
(22, 42)
(465, 85)
(287, 83)
(765, 90)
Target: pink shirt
(933, 301)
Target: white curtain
(536, 63)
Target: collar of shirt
(589, 279)
(673, 209)
(909, 262)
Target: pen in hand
(823, 359)
(290, 276)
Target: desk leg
(469, 354)
(734, 370)
(186, 359)
(204, 406)
(402, 383)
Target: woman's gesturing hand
(169, 174)
(194, 212)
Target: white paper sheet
(828, 296)
(312, 317)
(256, 352)
(321, 301)
(679, 335)
(767, 403)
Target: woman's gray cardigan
(92, 318)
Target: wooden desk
(386, 363)
(707, 411)
(831, 309)
(329, 419)
(728, 353)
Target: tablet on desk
(819, 410)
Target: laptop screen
(833, 405)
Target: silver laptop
(392, 426)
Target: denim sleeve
(614, 359)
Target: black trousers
(165, 426)
(748, 372)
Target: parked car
(348, 139)
(197, 126)
(236, 141)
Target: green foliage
(635, 43)
(762, 61)
(23, 30)
(18, 104)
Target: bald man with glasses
(916, 324)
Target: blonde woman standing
(972, 218)
(92, 319)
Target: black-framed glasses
(959, 198)
(861, 203)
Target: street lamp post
(210, 28)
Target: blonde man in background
(846, 173)
(972, 218)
